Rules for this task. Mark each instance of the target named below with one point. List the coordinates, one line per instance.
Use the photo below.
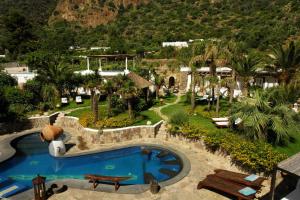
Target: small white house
(175, 44)
(20, 72)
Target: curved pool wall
(122, 161)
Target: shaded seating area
(290, 166)
(96, 179)
(295, 194)
(239, 185)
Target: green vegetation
(148, 115)
(120, 120)
(252, 156)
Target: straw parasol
(50, 132)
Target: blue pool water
(32, 158)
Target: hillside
(36, 11)
(90, 13)
(258, 23)
(144, 24)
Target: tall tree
(93, 82)
(19, 34)
(128, 92)
(52, 68)
(286, 60)
(263, 120)
(245, 66)
(109, 88)
(191, 57)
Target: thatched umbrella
(50, 132)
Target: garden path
(158, 109)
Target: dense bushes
(121, 120)
(179, 118)
(252, 156)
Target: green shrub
(179, 118)
(252, 156)
(121, 120)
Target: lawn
(201, 119)
(292, 148)
(196, 119)
(166, 100)
(78, 113)
(147, 115)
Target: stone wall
(107, 136)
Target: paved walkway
(158, 109)
(202, 164)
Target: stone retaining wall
(107, 136)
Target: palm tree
(51, 69)
(128, 91)
(264, 120)
(108, 87)
(211, 54)
(230, 51)
(245, 66)
(93, 83)
(192, 57)
(286, 61)
(50, 94)
(158, 82)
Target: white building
(20, 73)
(175, 44)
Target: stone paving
(202, 164)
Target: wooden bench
(98, 178)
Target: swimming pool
(32, 158)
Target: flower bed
(252, 156)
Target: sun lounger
(220, 119)
(239, 178)
(78, 99)
(11, 190)
(64, 100)
(98, 178)
(295, 194)
(222, 124)
(219, 184)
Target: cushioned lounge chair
(11, 190)
(222, 124)
(219, 184)
(220, 119)
(239, 178)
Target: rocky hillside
(91, 13)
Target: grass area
(195, 119)
(166, 100)
(144, 116)
(292, 148)
(73, 105)
(148, 115)
(202, 120)
(78, 113)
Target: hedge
(252, 156)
